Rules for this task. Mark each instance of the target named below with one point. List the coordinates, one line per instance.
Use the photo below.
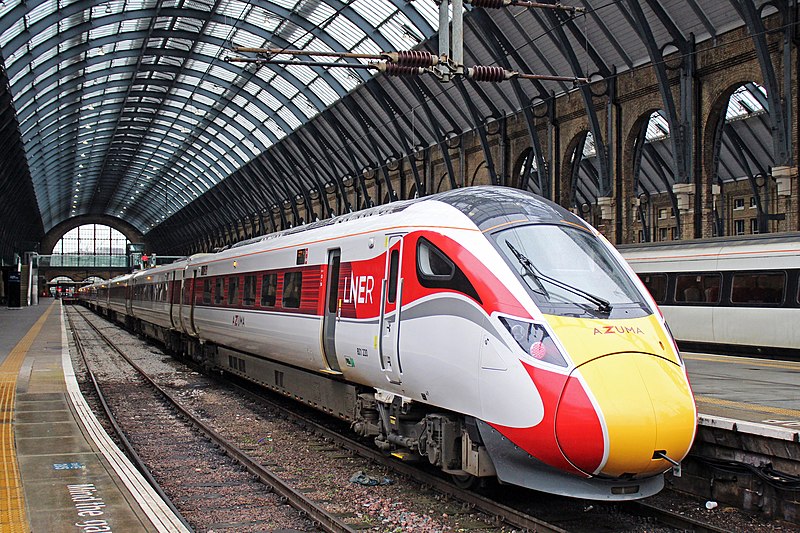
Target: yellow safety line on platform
(749, 407)
(752, 361)
(12, 501)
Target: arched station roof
(126, 108)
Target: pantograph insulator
(392, 69)
(412, 58)
(490, 4)
(487, 73)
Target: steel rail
(502, 513)
(129, 450)
(294, 498)
(669, 518)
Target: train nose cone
(644, 406)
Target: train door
(391, 297)
(187, 302)
(129, 293)
(331, 314)
(172, 307)
(192, 299)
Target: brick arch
(628, 179)
(712, 127)
(481, 174)
(58, 231)
(565, 178)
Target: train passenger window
(292, 287)
(233, 290)
(758, 288)
(269, 284)
(394, 263)
(219, 290)
(698, 288)
(249, 296)
(657, 285)
(207, 291)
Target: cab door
(391, 298)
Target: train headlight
(534, 339)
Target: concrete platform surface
(760, 396)
(61, 472)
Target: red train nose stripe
(578, 429)
(583, 435)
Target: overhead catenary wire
(498, 4)
(417, 62)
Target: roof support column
(680, 121)
(781, 136)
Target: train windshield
(569, 272)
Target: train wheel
(465, 481)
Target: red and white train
(485, 329)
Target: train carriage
(731, 294)
(485, 329)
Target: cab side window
(437, 271)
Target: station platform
(747, 395)
(61, 471)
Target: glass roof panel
(398, 31)
(324, 91)
(374, 12)
(345, 31)
(745, 104)
(657, 128)
(150, 105)
(232, 8)
(14, 30)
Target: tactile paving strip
(13, 517)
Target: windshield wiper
(603, 305)
(529, 269)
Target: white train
(733, 294)
(486, 330)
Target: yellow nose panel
(584, 339)
(646, 405)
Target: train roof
(755, 252)
(491, 206)
(486, 206)
(767, 239)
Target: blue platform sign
(68, 466)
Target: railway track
(199, 449)
(501, 515)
